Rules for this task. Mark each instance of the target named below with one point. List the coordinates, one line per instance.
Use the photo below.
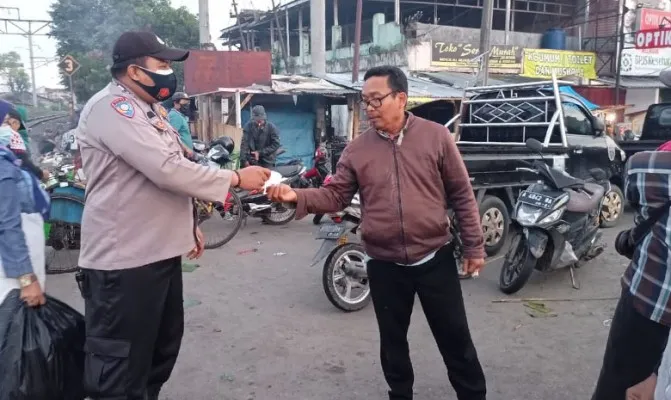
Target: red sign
(651, 19)
(653, 39)
(207, 71)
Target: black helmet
(226, 142)
(180, 96)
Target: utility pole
(204, 21)
(283, 48)
(485, 38)
(357, 41)
(318, 37)
(620, 49)
(205, 102)
(17, 26)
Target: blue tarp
(569, 90)
(296, 133)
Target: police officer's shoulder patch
(123, 106)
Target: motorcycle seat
(288, 171)
(585, 200)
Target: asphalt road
(258, 326)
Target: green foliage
(13, 74)
(87, 30)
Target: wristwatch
(27, 280)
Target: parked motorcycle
(556, 223)
(344, 274)
(315, 177)
(256, 204)
(230, 211)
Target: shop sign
(650, 62)
(465, 55)
(653, 39)
(541, 63)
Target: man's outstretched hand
(253, 178)
(473, 265)
(281, 194)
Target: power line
(17, 27)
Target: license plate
(537, 200)
(63, 184)
(330, 231)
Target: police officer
(138, 221)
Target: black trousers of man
(436, 282)
(634, 348)
(134, 327)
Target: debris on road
(279, 254)
(539, 299)
(607, 322)
(188, 303)
(247, 251)
(538, 310)
(189, 267)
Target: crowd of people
(408, 170)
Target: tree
(87, 30)
(13, 74)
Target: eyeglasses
(376, 102)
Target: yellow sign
(540, 63)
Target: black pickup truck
(656, 130)
(491, 131)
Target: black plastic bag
(41, 351)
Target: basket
(67, 210)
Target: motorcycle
(344, 274)
(316, 176)
(556, 223)
(256, 204)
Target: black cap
(132, 45)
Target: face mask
(165, 83)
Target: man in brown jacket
(408, 171)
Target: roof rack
(509, 110)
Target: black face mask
(165, 84)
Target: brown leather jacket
(405, 186)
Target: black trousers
(635, 346)
(134, 327)
(436, 282)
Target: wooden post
(285, 56)
(357, 41)
(356, 119)
(238, 110)
(237, 22)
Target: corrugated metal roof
(635, 82)
(295, 84)
(417, 86)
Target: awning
(462, 80)
(634, 82)
(419, 89)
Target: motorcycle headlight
(553, 217)
(528, 215)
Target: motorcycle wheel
(317, 219)
(280, 217)
(235, 213)
(338, 285)
(517, 265)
